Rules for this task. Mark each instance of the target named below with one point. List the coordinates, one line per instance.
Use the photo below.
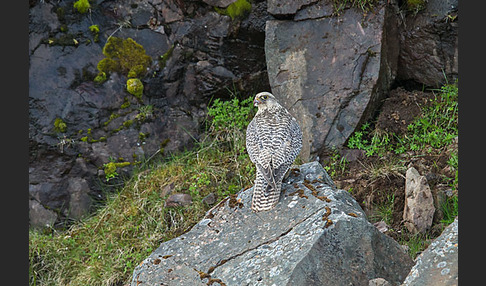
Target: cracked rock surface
(316, 235)
(330, 72)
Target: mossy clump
(110, 169)
(136, 71)
(100, 78)
(135, 87)
(60, 126)
(112, 117)
(124, 56)
(125, 104)
(95, 29)
(128, 123)
(236, 10)
(82, 6)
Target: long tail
(264, 197)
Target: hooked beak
(256, 102)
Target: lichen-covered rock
(438, 264)
(316, 235)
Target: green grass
(436, 128)
(384, 211)
(416, 243)
(105, 248)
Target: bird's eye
(264, 97)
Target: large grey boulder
(331, 71)
(438, 264)
(316, 235)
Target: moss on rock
(124, 56)
(82, 6)
(135, 87)
(60, 126)
(110, 169)
(236, 10)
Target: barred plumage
(273, 141)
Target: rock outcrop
(438, 264)
(330, 70)
(316, 235)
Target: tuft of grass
(450, 209)
(384, 211)
(105, 248)
(363, 5)
(416, 243)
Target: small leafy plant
(231, 114)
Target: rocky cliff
(80, 122)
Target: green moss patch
(60, 126)
(236, 10)
(135, 87)
(82, 6)
(124, 56)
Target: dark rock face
(197, 54)
(316, 235)
(287, 7)
(331, 72)
(429, 44)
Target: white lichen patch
(292, 204)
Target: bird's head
(264, 99)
